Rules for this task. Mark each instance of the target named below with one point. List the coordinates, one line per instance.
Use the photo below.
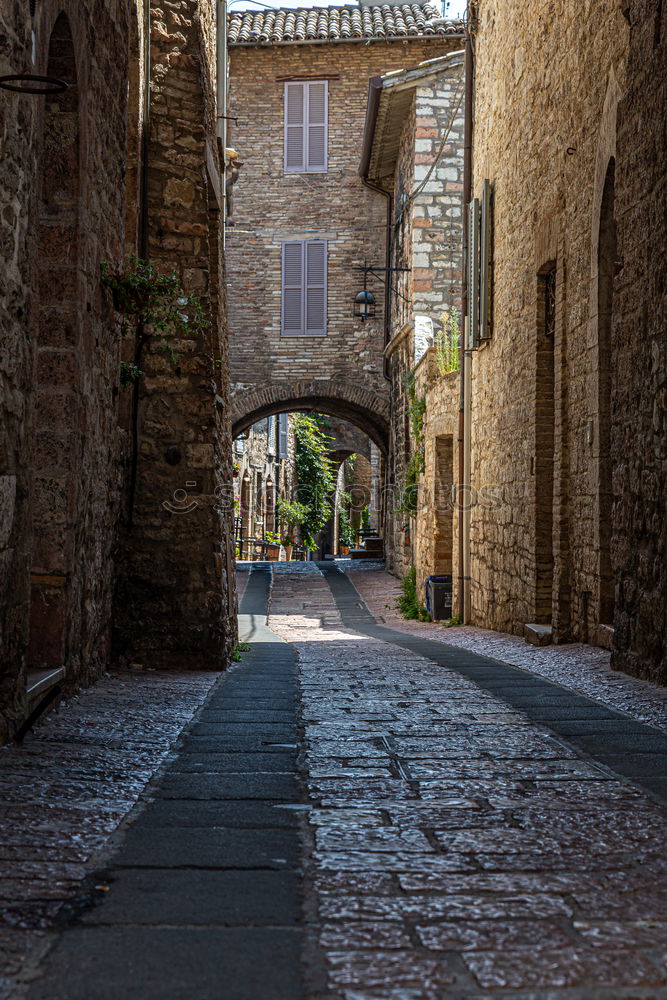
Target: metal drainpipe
(464, 409)
(143, 254)
(221, 100)
(387, 263)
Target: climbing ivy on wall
(417, 462)
(315, 474)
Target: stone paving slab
(201, 898)
(221, 786)
(235, 763)
(138, 963)
(449, 862)
(228, 814)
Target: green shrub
(408, 603)
(448, 344)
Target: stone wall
(62, 195)
(181, 540)
(427, 188)
(639, 353)
(435, 533)
(341, 373)
(262, 477)
(544, 136)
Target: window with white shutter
(304, 288)
(306, 126)
(283, 435)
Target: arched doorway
(55, 421)
(607, 254)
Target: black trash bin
(439, 596)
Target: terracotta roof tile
(308, 24)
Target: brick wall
(639, 357)
(342, 372)
(544, 133)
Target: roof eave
(346, 41)
(393, 82)
(374, 92)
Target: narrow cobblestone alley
(357, 813)
(426, 824)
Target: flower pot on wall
(288, 552)
(273, 553)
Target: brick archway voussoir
(361, 406)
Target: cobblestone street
(459, 850)
(354, 813)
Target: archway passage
(362, 407)
(56, 426)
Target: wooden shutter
(293, 288)
(283, 431)
(472, 319)
(316, 288)
(295, 127)
(304, 291)
(485, 261)
(316, 154)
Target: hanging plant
(129, 373)
(142, 296)
(416, 412)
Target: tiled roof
(343, 24)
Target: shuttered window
(304, 288)
(306, 127)
(283, 435)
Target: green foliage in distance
(314, 472)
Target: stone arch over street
(362, 407)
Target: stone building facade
(341, 372)
(264, 471)
(545, 137)
(63, 211)
(414, 151)
(639, 353)
(71, 197)
(181, 538)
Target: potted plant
(345, 533)
(272, 546)
(291, 515)
(288, 542)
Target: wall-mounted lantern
(364, 301)
(364, 305)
